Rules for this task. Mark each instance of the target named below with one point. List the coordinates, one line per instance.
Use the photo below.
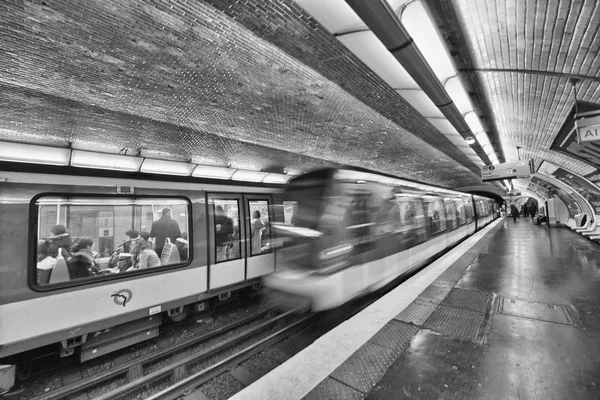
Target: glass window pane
(260, 232)
(435, 215)
(82, 238)
(227, 229)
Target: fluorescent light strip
(249, 176)
(417, 22)
(277, 178)
(153, 166)
(30, 153)
(88, 159)
(206, 171)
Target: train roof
(349, 172)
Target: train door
(226, 254)
(258, 244)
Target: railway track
(326, 321)
(133, 371)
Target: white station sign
(519, 169)
(588, 129)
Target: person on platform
(162, 229)
(533, 210)
(514, 211)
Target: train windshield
(305, 198)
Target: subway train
(49, 304)
(341, 233)
(350, 232)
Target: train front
(310, 251)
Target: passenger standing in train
(162, 229)
(143, 255)
(182, 246)
(46, 260)
(223, 232)
(514, 211)
(62, 240)
(81, 263)
(256, 226)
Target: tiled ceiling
(254, 84)
(521, 55)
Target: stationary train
(344, 232)
(351, 232)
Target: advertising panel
(587, 190)
(539, 186)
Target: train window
(389, 218)
(450, 214)
(226, 217)
(307, 192)
(83, 237)
(461, 211)
(260, 232)
(289, 210)
(358, 218)
(435, 214)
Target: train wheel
(179, 315)
(24, 368)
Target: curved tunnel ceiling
(191, 82)
(261, 85)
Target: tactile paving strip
(395, 335)
(455, 322)
(416, 313)
(434, 293)
(363, 369)
(474, 300)
(332, 389)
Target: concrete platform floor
(522, 322)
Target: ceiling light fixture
(30, 153)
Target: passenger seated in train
(82, 262)
(223, 232)
(143, 256)
(145, 235)
(46, 260)
(121, 258)
(182, 246)
(61, 239)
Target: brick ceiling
(259, 84)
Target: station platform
(513, 312)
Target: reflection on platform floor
(540, 338)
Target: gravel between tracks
(58, 372)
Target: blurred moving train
(346, 232)
(353, 232)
